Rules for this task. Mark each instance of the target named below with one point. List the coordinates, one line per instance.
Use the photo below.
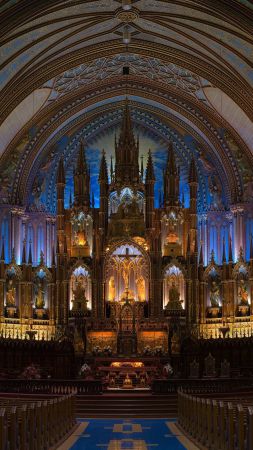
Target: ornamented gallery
(126, 214)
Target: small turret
(81, 180)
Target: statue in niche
(242, 293)
(174, 298)
(79, 301)
(112, 289)
(140, 283)
(174, 295)
(11, 295)
(39, 299)
(127, 294)
(214, 294)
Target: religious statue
(140, 282)
(174, 298)
(214, 294)
(39, 299)
(79, 301)
(173, 293)
(127, 383)
(112, 289)
(11, 295)
(242, 293)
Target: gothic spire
(103, 172)
(171, 179)
(193, 177)
(224, 259)
(30, 259)
(126, 132)
(81, 160)
(150, 175)
(61, 172)
(24, 252)
(126, 152)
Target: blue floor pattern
(127, 434)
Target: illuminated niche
(127, 274)
(173, 285)
(80, 290)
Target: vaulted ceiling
(61, 73)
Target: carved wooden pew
(35, 425)
(217, 424)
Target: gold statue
(214, 294)
(127, 383)
(174, 295)
(11, 295)
(140, 282)
(112, 289)
(39, 300)
(242, 293)
(79, 301)
(174, 298)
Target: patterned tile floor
(127, 434)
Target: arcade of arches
(126, 173)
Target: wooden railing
(216, 424)
(59, 387)
(201, 385)
(35, 425)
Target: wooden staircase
(127, 405)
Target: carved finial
(224, 259)
(103, 172)
(212, 256)
(150, 175)
(30, 259)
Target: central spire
(126, 152)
